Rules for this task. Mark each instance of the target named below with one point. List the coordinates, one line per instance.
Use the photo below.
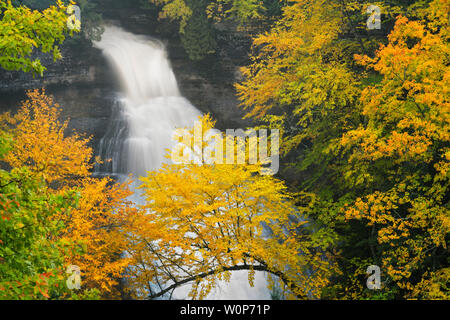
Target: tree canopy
(205, 221)
(371, 143)
(53, 213)
(22, 30)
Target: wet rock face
(73, 68)
(211, 89)
(83, 84)
(209, 84)
(80, 83)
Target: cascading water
(150, 106)
(146, 113)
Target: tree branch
(232, 268)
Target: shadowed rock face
(83, 83)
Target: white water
(148, 110)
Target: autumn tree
(90, 25)
(205, 221)
(402, 157)
(41, 142)
(298, 83)
(23, 31)
(100, 225)
(370, 144)
(73, 219)
(302, 78)
(31, 263)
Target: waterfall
(149, 107)
(146, 112)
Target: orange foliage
(40, 143)
(408, 129)
(99, 223)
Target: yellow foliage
(408, 129)
(205, 221)
(297, 73)
(40, 142)
(98, 226)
